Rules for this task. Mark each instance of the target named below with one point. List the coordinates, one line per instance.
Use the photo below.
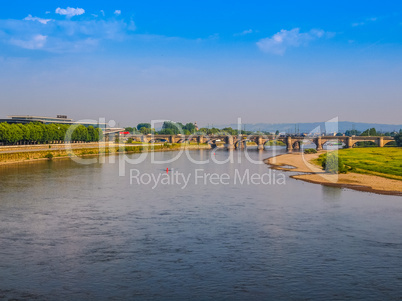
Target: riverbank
(30, 154)
(311, 172)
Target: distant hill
(341, 127)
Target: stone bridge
(240, 141)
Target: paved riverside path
(9, 149)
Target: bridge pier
(229, 142)
(289, 146)
(380, 142)
(260, 144)
(318, 143)
(349, 142)
(171, 139)
(145, 139)
(200, 139)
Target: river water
(70, 231)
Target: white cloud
(214, 36)
(117, 12)
(244, 32)
(131, 26)
(102, 12)
(279, 42)
(70, 12)
(36, 42)
(40, 20)
(368, 20)
(63, 36)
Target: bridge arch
(327, 142)
(374, 142)
(390, 143)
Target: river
(70, 231)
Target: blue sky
(210, 61)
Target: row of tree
(38, 133)
(174, 128)
(371, 132)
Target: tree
(145, 130)
(45, 133)
(35, 132)
(92, 133)
(352, 133)
(172, 128)
(2, 132)
(230, 131)
(5, 133)
(190, 127)
(100, 135)
(143, 125)
(25, 132)
(332, 163)
(14, 134)
(398, 139)
(53, 132)
(370, 132)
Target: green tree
(398, 139)
(99, 136)
(92, 133)
(25, 132)
(35, 132)
(5, 133)
(2, 132)
(145, 131)
(53, 132)
(171, 128)
(143, 125)
(190, 127)
(352, 133)
(15, 134)
(45, 133)
(129, 129)
(332, 163)
(370, 132)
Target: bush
(310, 151)
(333, 164)
(49, 156)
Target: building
(60, 119)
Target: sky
(205, 61)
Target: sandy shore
(298, 162)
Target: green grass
(275, 142)
(384, 162)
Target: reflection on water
(331, 194)
(78, 232)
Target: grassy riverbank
(366, 163)
(384, 161)
(29, 155)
